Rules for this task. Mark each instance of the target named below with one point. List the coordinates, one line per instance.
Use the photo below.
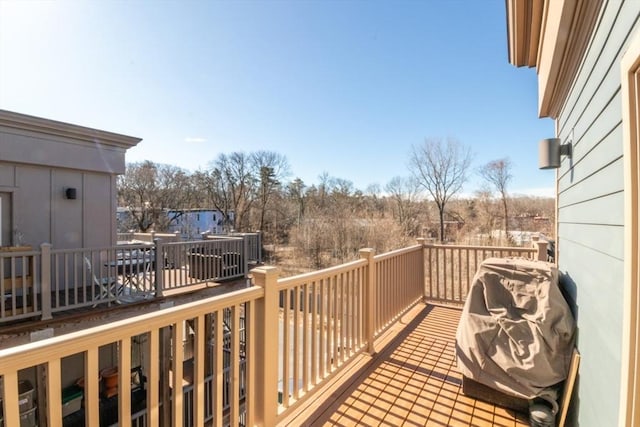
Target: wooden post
(91, 387)
(11, 405)
(124, 382)
(159, 267)
(541, 248)
(421, 241)
(53, 401)
(266, 356)
(245, 255)
(45, 280)
(370, 299)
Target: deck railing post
(541, 248)
(370, 299)
(159, 267)
(266, 356)
(45, 280)
(421, 241)
(245, 254)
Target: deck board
(413, 381)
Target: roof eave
(51, 127)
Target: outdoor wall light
(549, 152)
(70, 193)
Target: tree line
(328, 221)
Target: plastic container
(28, 418)
(25, 396)
(71, 400)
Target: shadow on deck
(411, 381)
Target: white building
(192, 223)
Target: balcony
(350, 344)
(45, 282)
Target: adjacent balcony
(47, 281)
(368, 342)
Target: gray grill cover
(516, 330)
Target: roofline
(553, 36)
(52, 127)
(524, 25)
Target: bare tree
(441, 168)
(498, 174)
(270, 169)
(297, 193)
(404, 192)
(231, 187)
(149, 190)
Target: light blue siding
(591, 213)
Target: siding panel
(7, 175)
(588, 160)
(591, 213)
(596, 291)
(607, 241)
(605, 181)
(608, 210)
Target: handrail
(40, 351)
(451, 268)
(397, 252)
(316, 275)
(487, 248)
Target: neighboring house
(587, 55)
(58, 182)
(191, 223)
(517, 237)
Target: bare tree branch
(441, 168)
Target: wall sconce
(549, 152)
(70, 193)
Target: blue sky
(343, 87)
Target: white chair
(108, 285)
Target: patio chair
(108, 285)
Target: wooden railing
(191, 263)
(399, 284)
(257, 354)
(322, 326)
(200, 322)
(20, 276)
(253, 243)
(40, 283)
(451, 268)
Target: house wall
(39, 159)
(591, 213)
(42, 214)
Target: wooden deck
(411, 381)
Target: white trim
(629, 414)
(39, 125)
